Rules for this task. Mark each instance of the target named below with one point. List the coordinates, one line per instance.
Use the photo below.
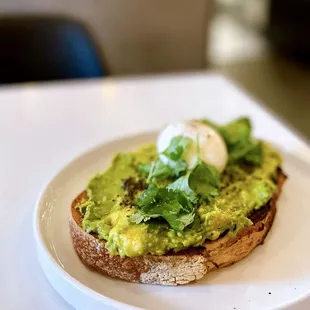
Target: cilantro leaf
(250, 152)
(175, 204)
(242, 148)
(240, 145)
(148, 196)
(205, 180)
(177, 147)
(178, 167)
(170, 164)
(182, 185)
(170, 205)
(159, 170)
(255, 154)
(239, 129)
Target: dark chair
(43, 48)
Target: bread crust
(173, 268)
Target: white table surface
(43, 126)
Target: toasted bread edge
(175, 268)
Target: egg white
(212, 147)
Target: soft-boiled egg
(212, 147)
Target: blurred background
(262, 45)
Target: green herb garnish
(176, 203)
(173, 166)
(242, 148)
(169, 205)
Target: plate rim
(42, 247)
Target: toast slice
(173, 268)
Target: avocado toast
(158, 221)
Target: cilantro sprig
(177, 202)
(169, 205)
(170, 163)
(242, 148)
(201, 181)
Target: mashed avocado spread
(140, 205)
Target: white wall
(136, 35)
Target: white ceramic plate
(275, 275)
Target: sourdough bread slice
(173, 268)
